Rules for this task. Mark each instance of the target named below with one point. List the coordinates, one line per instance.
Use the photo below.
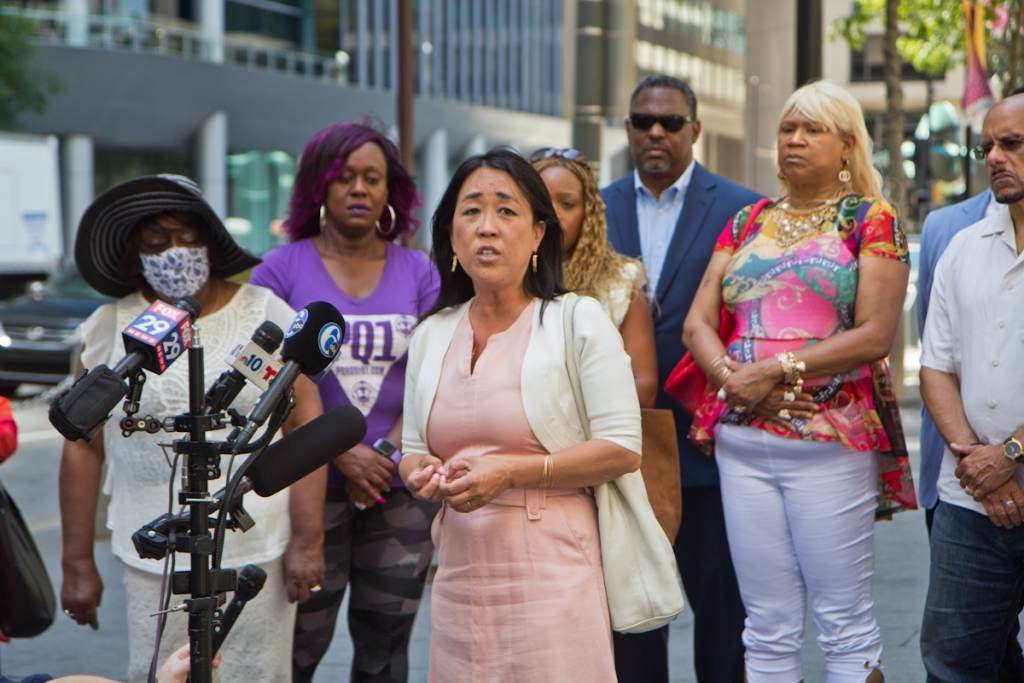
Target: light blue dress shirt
(656, 221)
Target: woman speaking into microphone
(157, 238)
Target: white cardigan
(606, 377)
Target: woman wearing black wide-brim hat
(157, 237)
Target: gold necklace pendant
(791, 228)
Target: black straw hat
(109, 221)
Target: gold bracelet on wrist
(792, 368)
(720, 368)
(547, 474)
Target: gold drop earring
(535, 262)
(844, 174)
(455, 262)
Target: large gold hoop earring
(392, 228)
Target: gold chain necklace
(792, 227)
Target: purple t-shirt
(369, 372)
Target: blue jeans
(974, 592)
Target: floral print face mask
(178, 271)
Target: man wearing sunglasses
(669, 212)
(940, 227)
(970, 382)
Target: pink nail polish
(381, 499)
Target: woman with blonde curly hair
(806, 429)
(593, 268)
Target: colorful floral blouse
(787, 295)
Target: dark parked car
(37, 330)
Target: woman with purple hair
(352, 199)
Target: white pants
(800, 521)
(258, 648)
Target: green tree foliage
(932, 35)
(22, 86)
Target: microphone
(253, 361)
(315, 443)
(250, 583)
(310, 345)
(154, 340)
(158, 337)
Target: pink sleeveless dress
(519, 592)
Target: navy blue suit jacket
(709, 204)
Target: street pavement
(31, 476)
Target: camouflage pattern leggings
(383, 553)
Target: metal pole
(404, 95)
(404, 102)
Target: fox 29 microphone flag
(154, 340)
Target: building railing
(142, 35)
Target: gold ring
(315, 589)
(784, 414)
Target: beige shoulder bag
(640, 573)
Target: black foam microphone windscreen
(314, 444)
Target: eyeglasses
(672, 124)
(564, 153)
(1009, 145)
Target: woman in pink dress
(492, 430)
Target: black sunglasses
(672, 124)
(565, 153)
(1009, 144)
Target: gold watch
(1013, 449)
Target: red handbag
(687, 383)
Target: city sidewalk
(31, 476)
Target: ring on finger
(785, 415)
(316, 588)
(1009, 503)
(788, 396)
(722, 396)
(969, 491)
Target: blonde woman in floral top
(805, 430)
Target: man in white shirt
(972, 381)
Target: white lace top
(631, 279)
(137, 478)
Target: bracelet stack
(793, 370)
(722, 370)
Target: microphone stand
(204, 586)
(190, 532)
(203, 464)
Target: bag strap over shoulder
(572, 361)
(748, 223)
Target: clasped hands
(760, 388)
(466, 483)
(986, 475)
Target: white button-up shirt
(975, 330)
(656, 222)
